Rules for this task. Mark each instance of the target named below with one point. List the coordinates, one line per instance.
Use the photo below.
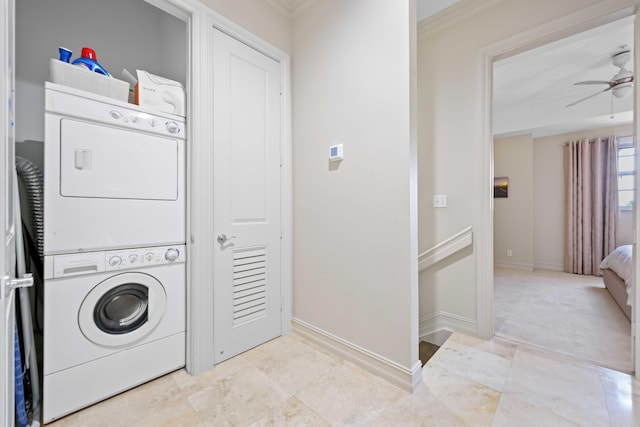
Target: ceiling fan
(620, 85)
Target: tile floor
(290, 381)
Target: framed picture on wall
(501, 187)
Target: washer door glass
(122, 309)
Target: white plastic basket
(84, 79)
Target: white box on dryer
(160, 93)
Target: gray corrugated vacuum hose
(32, 181)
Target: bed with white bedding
(617, 273)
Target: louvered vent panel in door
(249, 285)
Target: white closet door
(247, 200)
(7, 141)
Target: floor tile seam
(398, 395)
(535, 398)
(480, 351)
(270, 411)
(211, 387)
(499, 387)
(360, 370)
(462, 377)
(539, 407)
(551, 354)
(312, 411)
(297, 389)
(456, 410)
(194, 411)
(607, 395)
(181, 393)
(446, 366)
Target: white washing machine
(114, 174)
(113, 320)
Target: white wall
(450, 117)
(355, 249)
(513, 216)
(548, 203)
(258, 17)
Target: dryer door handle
(83, 159)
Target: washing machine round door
(122, 309)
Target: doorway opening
(535, 114)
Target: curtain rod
(592, 140)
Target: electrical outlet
(509, 252)
(440, 201)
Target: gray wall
(127, 34)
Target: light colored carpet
(566, 313)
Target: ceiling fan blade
(594, 82)
(587, 97)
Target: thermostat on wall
(335, 153)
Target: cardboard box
(160, 93)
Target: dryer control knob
(173, 127)
(133, 258)
(149, 256)
(171, 254)
(115, 260)
(116, 114)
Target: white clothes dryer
(112, 320)
(114, 174)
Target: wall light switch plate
(335, 153)
(440, 201)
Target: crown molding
(290, 8)
(453, 14)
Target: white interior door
(247, 197)
(6, 213)
(635, 313)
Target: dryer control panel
(77, 264)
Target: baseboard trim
(407, 379)
(436, 328)
(514, 265)
(550, 267)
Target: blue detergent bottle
(88, 59)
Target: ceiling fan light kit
(620, 85)
(623, 90)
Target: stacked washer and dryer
(114, 248)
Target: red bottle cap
(87, 52)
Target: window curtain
(591, 179)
